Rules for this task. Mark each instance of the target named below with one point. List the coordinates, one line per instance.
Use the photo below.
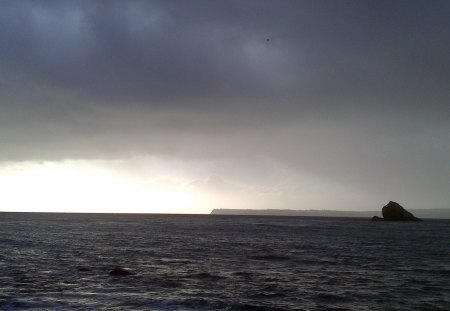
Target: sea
(220, 262)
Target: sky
(186, 106)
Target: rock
(118, 271)
(395, 212)
(84, 269)
(207, 276)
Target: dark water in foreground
(222, 263)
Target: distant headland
(441, 213)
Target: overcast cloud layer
(345, 99)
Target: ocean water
(212, 262)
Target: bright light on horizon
(69, 186)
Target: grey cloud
(349, 91)
(178, 53)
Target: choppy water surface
(62, 262)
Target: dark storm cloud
(355, 91)
(198, 53)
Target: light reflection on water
(62, 261)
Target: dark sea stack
(395, 212)
(118, 271)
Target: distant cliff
(422, 213)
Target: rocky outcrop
(395, 212)
(118, 271)
(84, 269)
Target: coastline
(422, 213)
